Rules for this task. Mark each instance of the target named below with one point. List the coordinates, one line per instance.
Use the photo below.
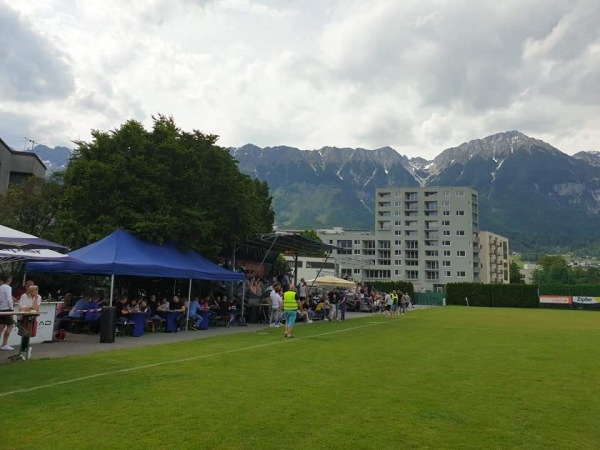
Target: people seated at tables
(122, 311)
(215, 305)
(232, 313)
(177, 305)
(193, 314)
(78, 310)
(153, 304)
(143, 306)
(204, 304)
(164, 305)
(133, 305)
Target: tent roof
(121, 253)
(329, 280)
(20, 254)
(286, 242)
(11, 238)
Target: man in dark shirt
(122, 310)
(179, 306)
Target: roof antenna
(31, 141)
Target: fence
(429, 298)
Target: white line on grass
(176, 361)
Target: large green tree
(161, 184)
(32, 206)
(516, 277)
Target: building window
(357, 271)
(446, 193)
(445, 213)
(461, 274)
(397, 272)
(356, 242)
(397, 232)
(460, 233)
(398, 242)
(447, 273)
(397, 252)
(397, 262)
(446, 252)
(460, 193)
(461, 253)
(357, 252)
(460, 213)
(445, 223)
(446, 203)
(445, 243)
(446, 232)
(446, 263)
(412, 274)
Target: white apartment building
(426, 235)
(493, 253)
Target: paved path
(83, 344)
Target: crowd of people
(88, 309)
(290, 303)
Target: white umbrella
(331, 281)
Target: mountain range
(544, 200)
(541, 198)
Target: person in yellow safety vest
(394, 303)
(290, 308)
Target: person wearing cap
(290, 308)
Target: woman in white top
(30, 300)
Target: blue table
(171, 320)
(138, 319)
(205, 314)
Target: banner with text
(586, 300)
(556, 299)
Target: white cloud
(419, 76)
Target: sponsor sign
(556, 299)
(586, 300)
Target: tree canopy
(162, 184)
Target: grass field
(452, 377)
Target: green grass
(451, 377)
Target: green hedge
(492, 295)
(389, 286)
(585, 290)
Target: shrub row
(492, 295)
(584, 290)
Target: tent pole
(187, 309)
(112, 289)
(242, 318)
(296, 269)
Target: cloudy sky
(419, 76)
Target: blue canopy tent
(121, 253)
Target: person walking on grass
(290, 308)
